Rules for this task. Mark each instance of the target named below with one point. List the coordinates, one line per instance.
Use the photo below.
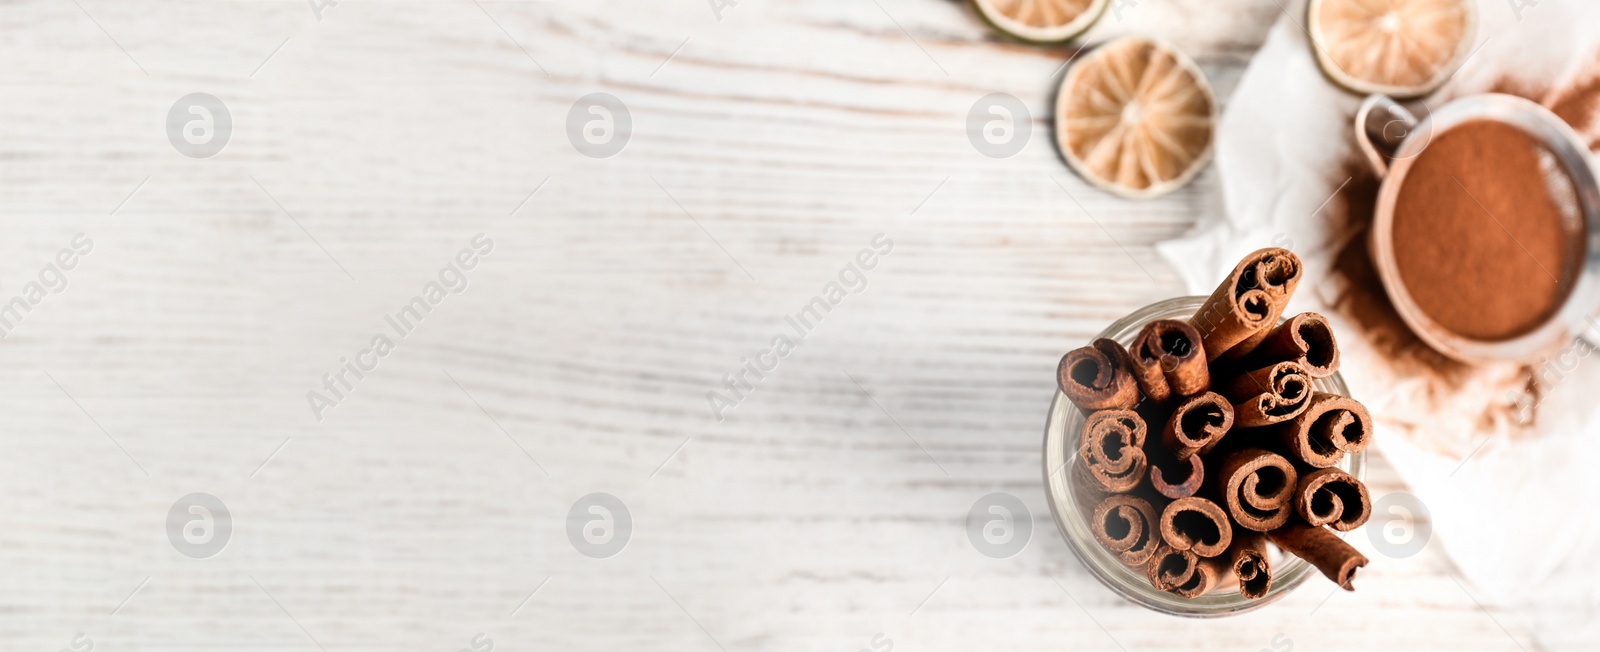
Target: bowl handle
(1381, 125)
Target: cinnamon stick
(1098, 377)
(1209, 573)
(1248, 555)
(1331, 426)
(1306, 338)
(1237, 315)
(1197, 425)
(1168, 568)
(1197, 525)
(1111, 449)
(1268, 395)
(1168, 360)
(1333, 498)
(1126, 526)
(1321, 548)
(1257, 487)
(1086, 482)
(1185, 479)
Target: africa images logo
(452, 279)
(852, 279)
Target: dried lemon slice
(1041, 21)
(1401, 48)
(1135, 117)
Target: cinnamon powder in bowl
(1487, 234)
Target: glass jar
(1072, 506)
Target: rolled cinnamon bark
(1098, 377)
(1306, 338)
(1197, 525)
(1248, 555)
(1168, 568)
(1236, 317)
(1111, 449)
(1269, 395)
(1257, 487)
(1331, 426)
(1321, 548)
(1127, 525)
(1185, 479)
(1085, 482)
(1197, 425)
(1168, 360)
(1333, 498)
(1209, 573)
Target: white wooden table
(826, 512)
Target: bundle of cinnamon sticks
(1205, 440)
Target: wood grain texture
(377, 141)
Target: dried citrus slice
(1401, 48)
(1135, 117)
(1041, 21)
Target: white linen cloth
(1516, 507)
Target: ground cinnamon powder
(1360, 293)
(1481, 241)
